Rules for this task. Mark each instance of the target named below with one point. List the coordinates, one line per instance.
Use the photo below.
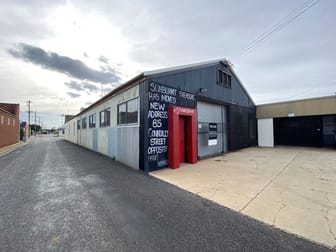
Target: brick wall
(9, 127)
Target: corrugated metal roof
(165, 71)
(185, 67)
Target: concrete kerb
(8, 149)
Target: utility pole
(28, 103)
(39, 124)
(62, 121)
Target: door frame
(174, 148)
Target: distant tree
(21, 133)
(35, 127)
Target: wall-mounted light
(202, 90)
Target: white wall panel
(103, 140)
(265, 132)
(117, 142)
(71, 131)
(128, 146)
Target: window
(128, 112)
(220, 76)
(92, 121)
(78, 124)
(84, 123)
(2, 119)
(132, 111)
(8, 121)
(74, 129)
(122, 113)
(223, 79)
(105, 117)
(13, 122)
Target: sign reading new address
(160, 97)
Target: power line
(282, 23)
(276, 25)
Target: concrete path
(293, 189)
(56, 196)
(13, 147)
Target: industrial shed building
(308, 122)
(163, 118)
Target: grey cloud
(157, 38)
(90, 87)
(81, 86)
(74, 85)
(85, 54)
(21, 20)
(73, 95)
(108, 68)
(103, 59)
(63, 64)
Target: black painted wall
(313, 131)
(242, 130)
(242, 112)
(206, 77)
(156, 99)
(242, 127)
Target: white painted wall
(265, 132)
(71, 130)
(86, 138)
(103, 140)
(119, 142)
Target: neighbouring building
(165, 117)
(308, 122)
(60, 131)
(9, 124)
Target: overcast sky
(61, 54)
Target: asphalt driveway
(56, 196)
(291, 188)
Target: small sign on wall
(212, 134)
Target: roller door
(299, 131)
(212, 125)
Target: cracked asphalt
(56, 196)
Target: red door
(182, 139)
(182, 143)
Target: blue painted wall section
(112, 143)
